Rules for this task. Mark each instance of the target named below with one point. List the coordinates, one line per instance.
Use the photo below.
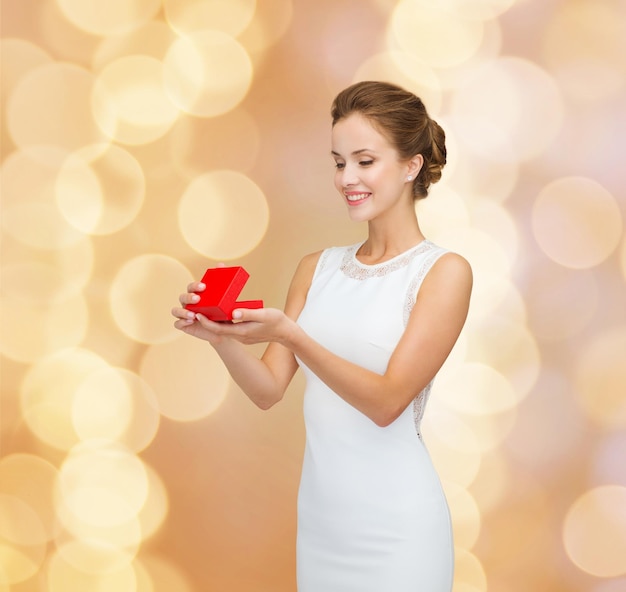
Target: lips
(354, 199)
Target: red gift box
(219, 299)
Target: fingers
(196, 287)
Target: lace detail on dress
(352, 268)
(419, 404)
(416, 282)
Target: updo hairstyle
(402, 118)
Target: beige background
(146, 140)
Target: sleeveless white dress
(372, 515)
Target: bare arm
(432, 330)
(263, 380)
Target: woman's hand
(187, 321)
(250, 326)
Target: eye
(339, 165)
(366, 162)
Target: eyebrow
(355, 153)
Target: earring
(409, 178)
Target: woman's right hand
(187, 321)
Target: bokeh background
(146, 140)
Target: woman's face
(370, 175)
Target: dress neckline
(355, 269)
(355, 250)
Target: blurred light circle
(51, 106)
(270, 23)
(48, 390)
(152, 39)
(115, 404)
(188, 377)
(452, 446)
(228, 16)
(497, 222)
(51, 327)
(28, 213)
(577, 222)
(465, 515)
(223, 215)
(405, 70)
(485, 390)
(129, 101)
(62, 576)
(207, 73)
(468, 572)
(18, 57)
(510, 347)
(491, 486)
(496, 294)
(441, 214)
(95, 556)
(623, 258)
(600, 377)
(154, 511)
(143, 292)
(20, 530)
(102, 483)
(432, 34)
(609, 466)
(100, 190)
(477, 9)
(31, 479)
(115, 17)
(589, 80)
(594, 531)
(508, 109)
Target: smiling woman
(371, 325)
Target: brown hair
(402, 118)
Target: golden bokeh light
(207, 73)
(182, 392)
(29, 213)
(435, 36)
(452, 446)
(223, 214)
(48, 390)
(102, 484)
(116, 17)
(115, 404)
(594, 531)
(51, 106)
(270, 23)
(142, 289)
(442, 213)
(601, 377)
(18, 57)
(155, 509)
(94, 557)
(55, 325)
(577, 222)
(31, 479)
(477, 9)
(21, 532)
(623, 258)
(470, 574)
(129, 101)
(152, 40)
(62, 576)
(164, 574)
(508, 110)
(100, 189)
(228, 16)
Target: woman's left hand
(250, 326)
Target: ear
(414, 165)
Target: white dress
(372, 515)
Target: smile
(356, 198)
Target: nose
(349, 176)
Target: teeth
(356, 197)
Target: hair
(402, 118)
